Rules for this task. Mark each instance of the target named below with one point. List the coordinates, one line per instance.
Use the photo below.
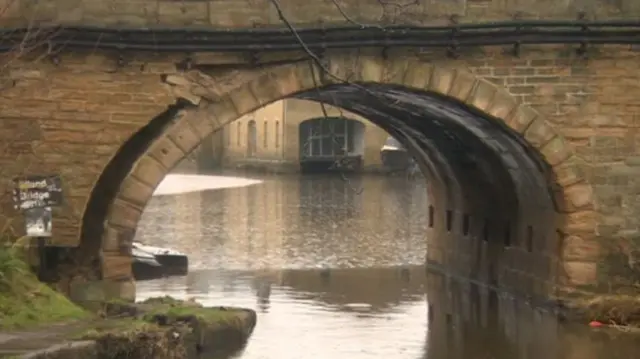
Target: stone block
(148, 170)
(116, 266)
(577, 248)
(341, 67)
(580, 273)
(244, 100)
(579, 195)
(556, 151)
(503, 105)
(266, 88)
(395, 69)
(224, 110)
(124, 214)
(291, 79)
(371, 68)
(184, 136)
(580, 222)
(463, 85)
(418, 75)
(569, 172)
(522, 118)
(203, 121)
(441, 80)
(482, 95)
(539, 133)
(135, 191)
(166, 151)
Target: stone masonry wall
(247, 13)
(71, 116)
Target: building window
(331, 137)
(265, 134)
(238, 130)
(277, 134)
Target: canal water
(334, 269)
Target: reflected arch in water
(485, 156)
(464, 326)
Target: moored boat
(151, 262)
(395, 157)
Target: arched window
(277, 134)
(265, 134)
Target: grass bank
(25, 302)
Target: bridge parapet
(259, 13)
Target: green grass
(173, 308)
(25, 302)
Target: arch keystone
(539, 133)
(482, 95)
(441, 80)
(463, 85)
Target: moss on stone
(168, 328)
(26, 302)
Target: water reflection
(350, 313)
(286, 222)
(336, 274)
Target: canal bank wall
(158, 328)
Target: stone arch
(215, 108)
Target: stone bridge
(531, 160)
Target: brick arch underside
(495, 168)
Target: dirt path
(20, 342)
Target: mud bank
(159, 328)
(614, 310)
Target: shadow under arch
(110, 180)
(484, 155)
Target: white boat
(151, 262)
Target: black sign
(37, 192)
